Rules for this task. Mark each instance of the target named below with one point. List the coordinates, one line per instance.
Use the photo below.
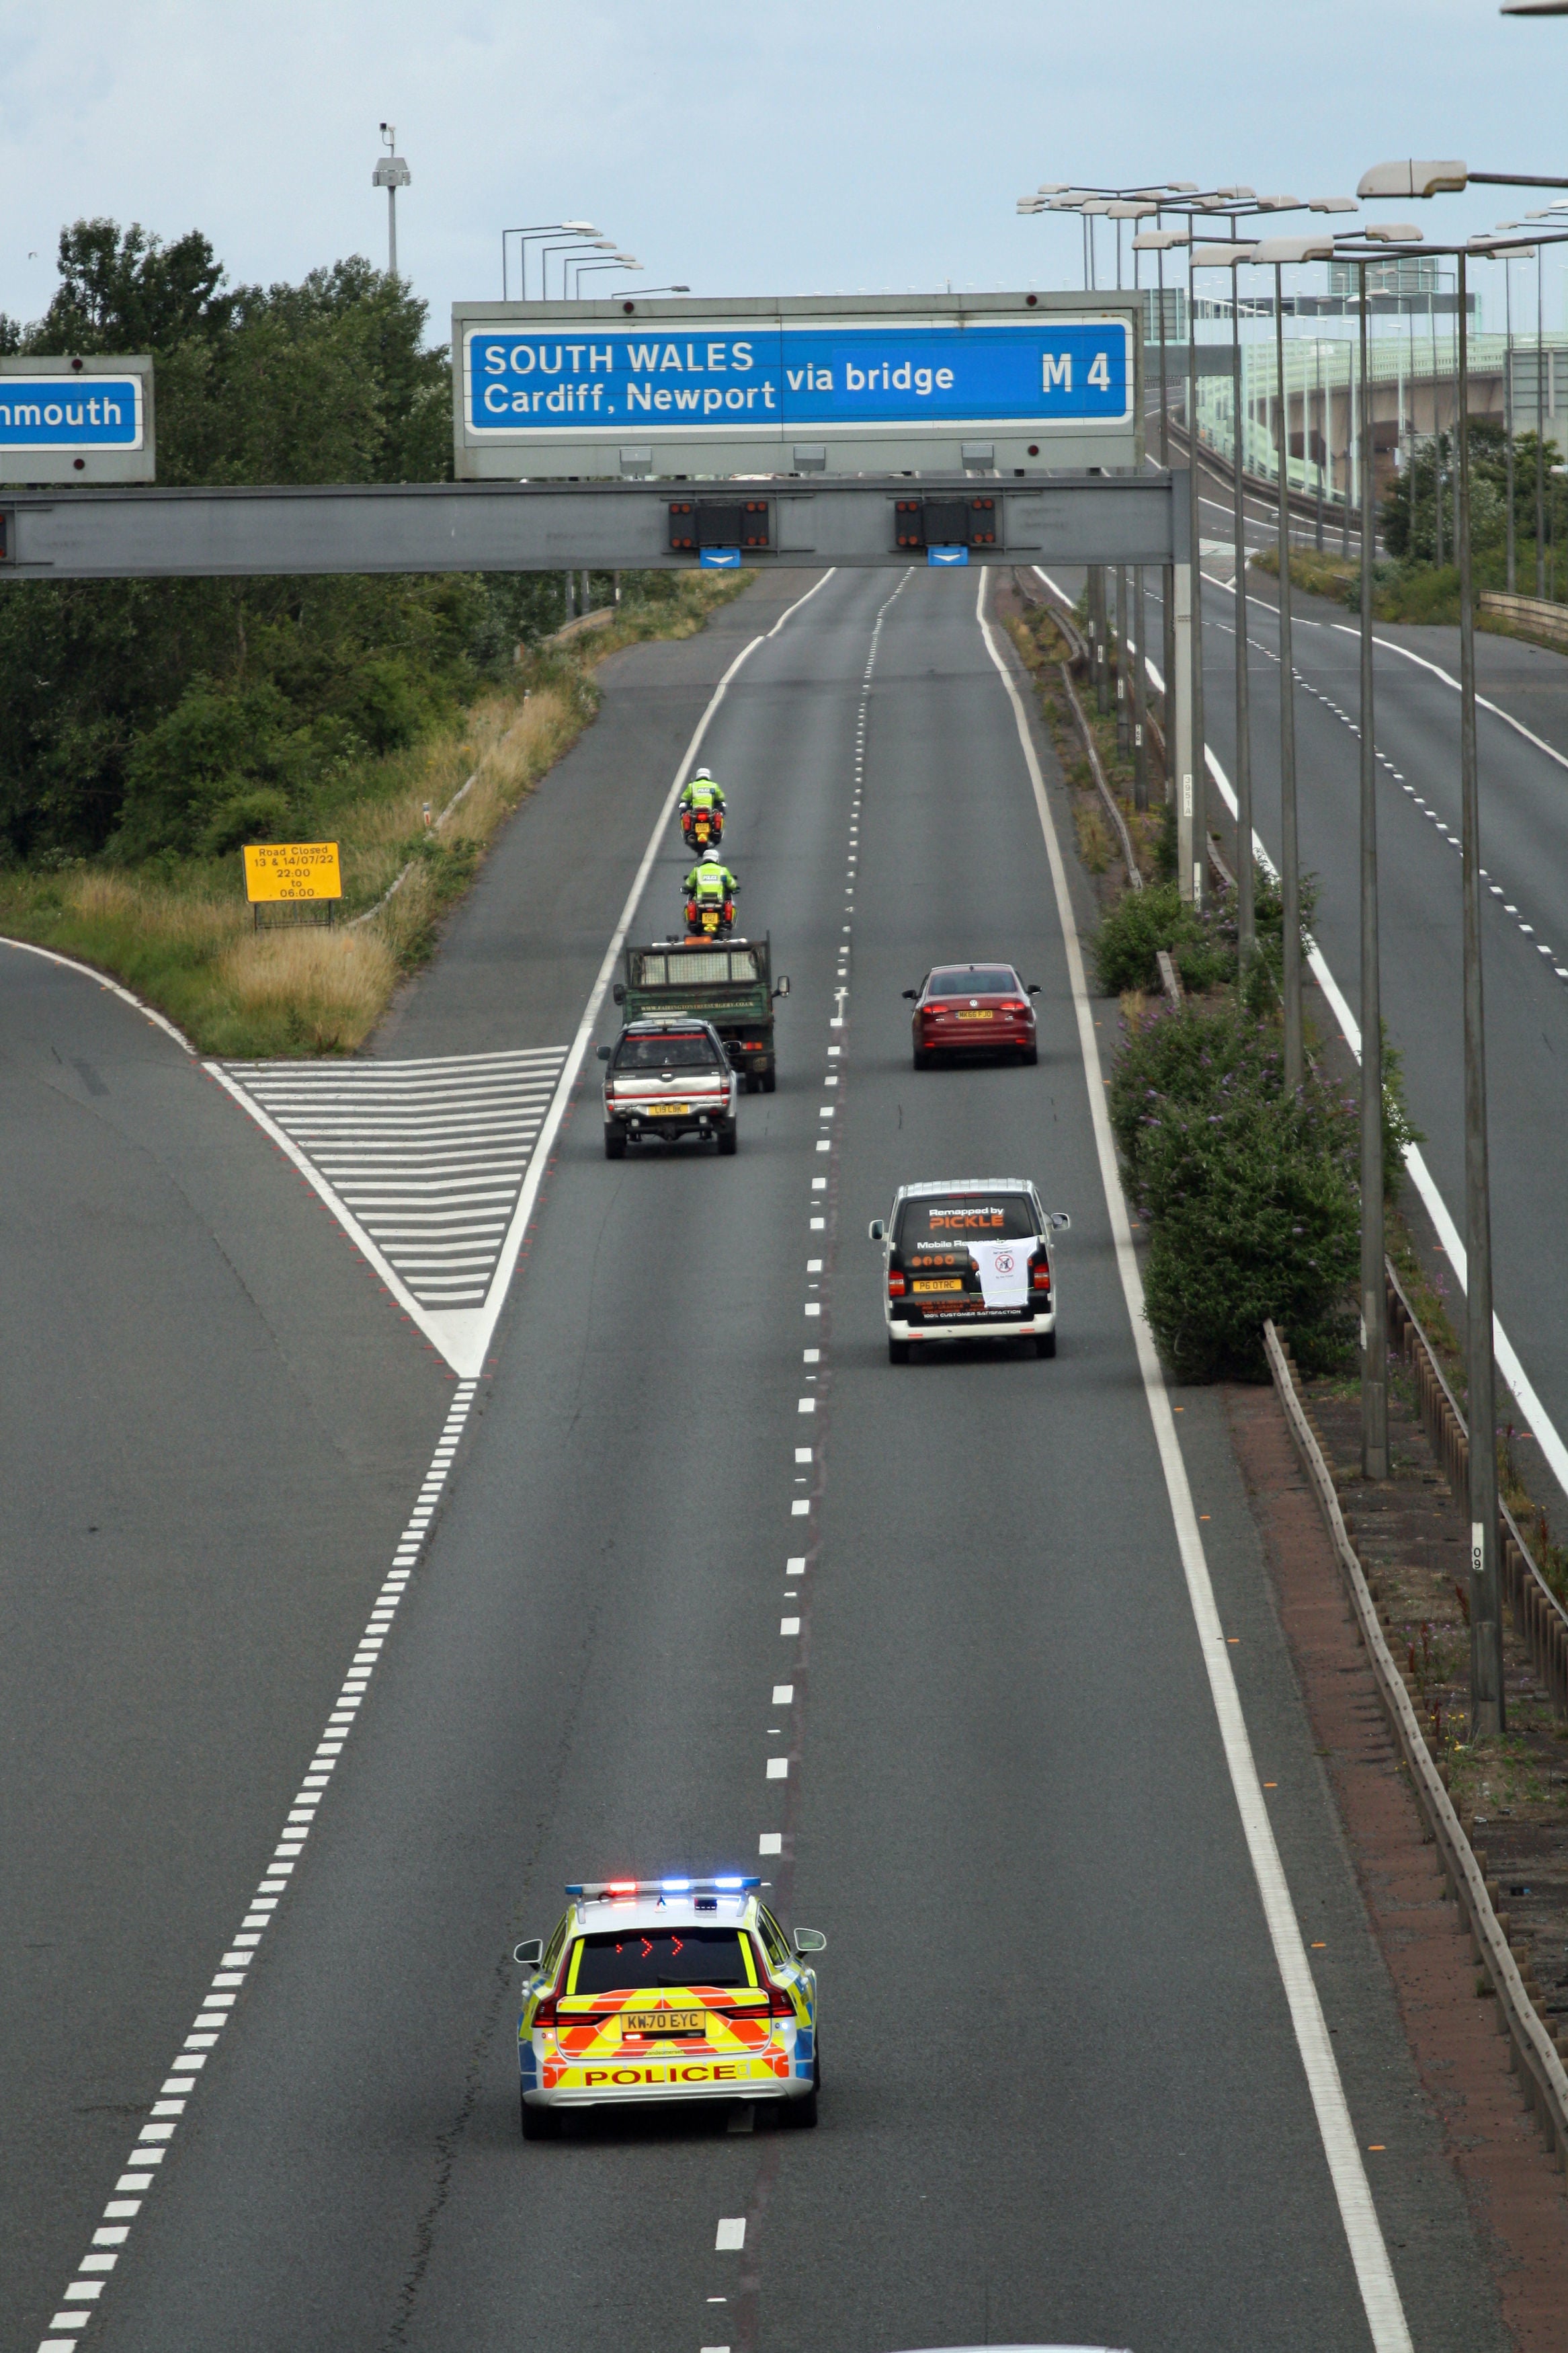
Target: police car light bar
(591, 1888)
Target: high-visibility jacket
(711, 879)
(705, 795)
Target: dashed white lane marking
(783, 1694)
(1368, 2249)
(795, 1564)
(731, 2235)
(778, 1768)
(153, 2142)
(424, 1160)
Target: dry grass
(1095, 846)
(182, 937)
(326, 989)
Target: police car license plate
(666, 1109)
(977, 1017)
(662, 2021)
(948, 1283)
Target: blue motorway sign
(946, 555)
(68, 413)
(772, 380)
(719, 559)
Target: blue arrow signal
(720, 559)
(947, 555)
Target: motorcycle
(710, 919)
(703, 827)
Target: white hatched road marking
(421, 1163)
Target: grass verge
(178, 930)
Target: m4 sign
(977, 383)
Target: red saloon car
(973, 1008)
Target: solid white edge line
(507, 1263)
(464, 1344)
(799, 601)
(1369, 2253)
(334, 1202)
(291, 1844)
(1542, 1428)
(91, 971)
(1447, 678)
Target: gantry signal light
(695, 524)
(944, 522)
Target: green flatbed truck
(727, 982)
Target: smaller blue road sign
(945, 555)
(720, 559)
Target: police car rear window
(689, 1050)
(935, 1222)
(633, 1960)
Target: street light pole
(1489, 1704)
(1290, 847)
(1247, 931)
(391, 174)
(1373, 1287)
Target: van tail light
(895, 1283)
(1040, 1273)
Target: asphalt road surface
(1052, 2016)
(1524, 848)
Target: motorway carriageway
(1522, 747)
(975, 1660)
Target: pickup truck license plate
(662, 2021)
(666, 1109)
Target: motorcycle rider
(703, 791)
(711, 884)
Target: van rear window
(939, 1222)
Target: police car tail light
(545, 2014)
(1040, 1273)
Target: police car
(969, 1259)
(666, 1990)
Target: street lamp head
(1221, 256)
(1282, 249)
(1235, 196)
(1132, 208)
(1278, 203)
(1183, 187)
(1332, 204)
(579, 228)
(1159, 240)
(1413, 179)
(1393, 233)
(1031, 203)
(1053, 187)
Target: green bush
(1140, 923)
(1249, 1194)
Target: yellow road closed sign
(292, 869)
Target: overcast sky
(741, 148)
